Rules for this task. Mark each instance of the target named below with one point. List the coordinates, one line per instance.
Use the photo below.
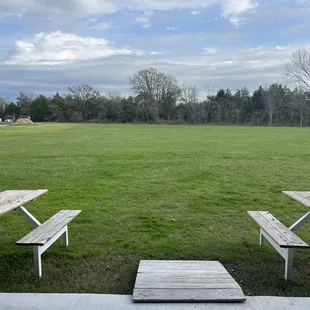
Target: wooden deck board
(13, 199)
(185, 281)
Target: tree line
(160, 98)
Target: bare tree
(82, 96)
(299, 105)
(2, 106)
(190, 97)
(2, 102)
(299, 68)
(116, 97)
(207, 102)
(156, 88)
(273, 97)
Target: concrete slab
(14, 301)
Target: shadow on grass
(266, 277)
(63, 274)
(260, 272)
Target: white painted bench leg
(300, 222)
(286, 253)
(289, 263)
(65, 238)
(37, 261)
(29, 216)
(261, 238)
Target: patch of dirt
(23, 121)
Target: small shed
(25, 117)
(9, 118)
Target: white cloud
(237, 68)
(209, 51)
(80, 7)
(172, 28)
(100, 26)
(194, 12)
(281, 48)
(148, 13)
(145, 20)
(61, 48)
(234, 9)
(92, 20)
(230, 8)
(154, 53)
(9, 14)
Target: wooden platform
(185, 281)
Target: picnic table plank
(299, 196)
(13, 199)
(7, 196)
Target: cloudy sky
(47, 45)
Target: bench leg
(286, 253)
(39, 250)
(29, 216)
(65, 238)
(289, 263)
(37, 261)
(261, 238)
(300, 222)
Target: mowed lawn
(153, 192)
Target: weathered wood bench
(279, 236)
(42, 237)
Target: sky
(47, 45)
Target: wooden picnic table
(304, 199)
(44, 235)
(283, 239)
(11, 200)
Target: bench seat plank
(284, 237)
(43, 233)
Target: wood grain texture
(43, 233)
(188, 295)
(13, 199)
(185, 281)
(284, 237)
(301, 197)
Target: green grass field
(153, 192)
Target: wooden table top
(13, 199)
(301, 197)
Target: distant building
(25, 117)
(9, 118)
